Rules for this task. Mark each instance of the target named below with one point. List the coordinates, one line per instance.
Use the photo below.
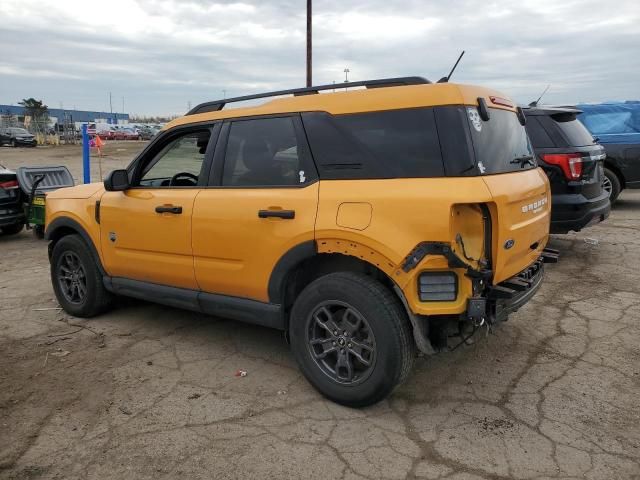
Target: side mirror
(117, 181)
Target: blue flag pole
(86, 164)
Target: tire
(76, 279)
(12, 143)
(378, 324)
(614, 185)
(13, 229)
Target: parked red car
(107, 134)
(127, 134)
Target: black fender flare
(286, 263)
(56, 230)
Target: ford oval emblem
(509, 243)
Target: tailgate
(521, 212)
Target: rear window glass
(575, 132)
(501, 144)
(388, 144)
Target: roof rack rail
(217, 105)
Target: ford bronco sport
(364, 223)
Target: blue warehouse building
(76, 115)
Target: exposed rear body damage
(362, 223)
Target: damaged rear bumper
(508, 296)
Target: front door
(146, 230)
(262, 201)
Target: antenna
(535, 104)
(446, 79)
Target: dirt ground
(150, 392)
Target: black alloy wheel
(341, 342)
(72, 278)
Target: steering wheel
(183, 174)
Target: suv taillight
(570, 163)
(9, 184)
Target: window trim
(304, 153)
(156, 146)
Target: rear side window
(501, 144)
(538, 135)
(387, 144)
(574, 132)
(264, 152)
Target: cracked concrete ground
(150, 392)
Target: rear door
(261, 202)
(521, 208)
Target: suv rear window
(386, 144)
(501, 144)
(574, 132)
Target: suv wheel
(76, 279)
(611, 184)
(351, 338)
(13, 229)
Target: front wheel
(351, 338)
(77, 281)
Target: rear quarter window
(387, 144)
(537, 134)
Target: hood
(77, 192)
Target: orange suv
(363, 223)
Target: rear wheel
(612, 185)
(351, 338)
(13, 229)
(76, 279)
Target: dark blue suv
(617, 127)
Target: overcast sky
(161, 54)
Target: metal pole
(86, 165)
(309, 82)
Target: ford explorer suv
(363, 223)
(574, 163)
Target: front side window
(178, 163)
(263, 152)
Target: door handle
(286, 214)
(168, 209)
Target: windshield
(501, 144)
(20, 131)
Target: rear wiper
(524, 160)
